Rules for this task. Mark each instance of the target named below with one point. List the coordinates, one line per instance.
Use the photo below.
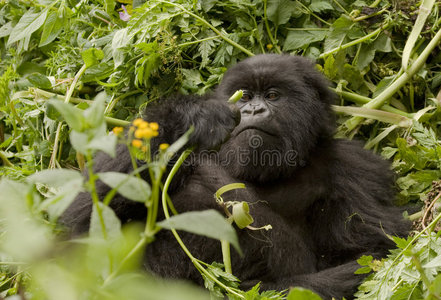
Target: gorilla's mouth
(253, 127)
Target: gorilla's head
(285, 113)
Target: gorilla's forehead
(266, 71)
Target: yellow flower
(163, 146)
(137, 143)
(144, 133)
(143, 125)
(154, 125)
(117, 130)
(138, 122)
(269, 46)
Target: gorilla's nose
(255, 110)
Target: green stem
(268, 30)
(194, 260)
(116, 122)
(363, 100)
(225, 38)
(94, 194)
(399, 83)
(80, 73)
(46, 94)
(226, 256)
(355, 42)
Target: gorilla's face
(284, 112)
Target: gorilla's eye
(246, 96)
(272, 95)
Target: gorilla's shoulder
(360, 171)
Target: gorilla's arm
(212, 120)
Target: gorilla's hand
(213, 124)
(213, 120)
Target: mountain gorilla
(329, 201)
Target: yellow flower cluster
(143, 130)
(117, 130)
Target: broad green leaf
(6, 29)
(209, 223)
(28, 24)
(105, 143)
(112, 225)
(131, 187)
(92, 56)
(72, 115)
(279, 11)
(83, 142)
(94, 115)
(299, 293)
(299, 38)
(55, 178)
(51, 29)
(40, 81)
(23, 236)
(339, 31)
(320, 5)
(365, 260)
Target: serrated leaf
(51, 29)
(129, 186)
(209, 223)
(28, 24)
(92, 56)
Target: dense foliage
(383, 58)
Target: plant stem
(399, 83)
(94, 194)
(66, 100)
(226, 256)
(194, 260)
(359, 99)
(225, 38)
(268, 30)
(5, 160)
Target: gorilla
(328, 200)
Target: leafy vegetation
(63, 61)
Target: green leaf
(365, 260)
(320, 6)
(51, 29)
(301, 38)
(40, 81)
(28, 24)
(339, 31)
(279, 11)
(94, 115)
(6, 29)
(92, 56)
(72, 115)
(111, 222)
(55, 178)
(363, 270)
(129, 186)
(299, 293)
(241, 214)
(209, 223)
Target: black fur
(329, 201)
